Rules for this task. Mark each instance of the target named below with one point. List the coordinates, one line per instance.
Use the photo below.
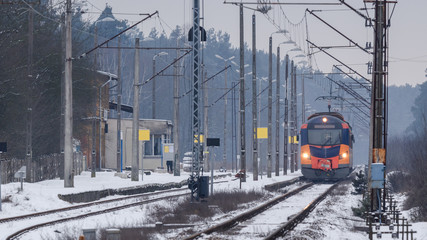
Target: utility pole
(224, 141)
(93, 159)
(119, 106)
(254, 104)
(100, 123)
(302, 99)
(135, 122)
(292, 118)
(93, 149)
(378, 126)
(29, 146)
(195, 168)
(61, 127)
(242, 100)
(153, 91)
(205, 121)
(224, 154)
(277, 110)
(233, 128)
(270, 103)
(295, 120)
(286, 132)
(378, 120)
(68, 117)
(176, 169)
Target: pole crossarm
(360, 118)
(348, 75)
(353, 93)
(118, 34)
(223, 95)
(336, 59)
(164, 69)
(336, 30)
(216, 74)
(259, 94)
(189, 91)
(355, 10)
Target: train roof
(334, 114)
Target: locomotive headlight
(324, 119)
(344, 155)
(305, 155)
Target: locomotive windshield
(324, 137)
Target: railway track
(58, 214)
(291, 207)
(85, 210)
(85, 205)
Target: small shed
(150, 151)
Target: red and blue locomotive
(326, 147)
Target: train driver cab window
(324, 137)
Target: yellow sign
(201, 138)
(293, 139)
(262, 133)
(166, 149)
(144, 135)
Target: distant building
(150, 151)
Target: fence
(42, 168)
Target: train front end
(326, 147)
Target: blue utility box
(377, 175)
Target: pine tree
(359, 182)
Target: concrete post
(270, 102)
(135, 122)
(254, 104)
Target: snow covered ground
(332, 219)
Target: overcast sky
(407, 44)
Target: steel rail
(287, 227)
(65, 209)
(249, 214)
(279, 185)
(28, 229)
(58, 210)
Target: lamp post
(259, 160)
(294, 107)
(293, 110)
(286, 108)
(100, 120)
(270, 101)
(224, 158)
(111, 77)
(303, 62)
(278, 110)
(153, 108)
(239, 116)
